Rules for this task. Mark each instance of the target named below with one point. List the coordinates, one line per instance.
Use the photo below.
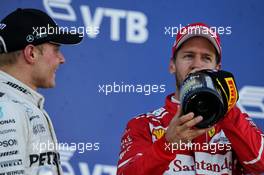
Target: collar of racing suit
(172, 104)
(21, 89)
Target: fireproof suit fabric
(232, 146)
(27, 137)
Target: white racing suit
(27, 138)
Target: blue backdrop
(129, 43)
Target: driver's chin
(178, 84)
(49, 84)
(52, 83)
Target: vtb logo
(136, 29)
(252, 101)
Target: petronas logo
(158, 133)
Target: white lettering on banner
(115, 16)
(136, 27)
(84, 169)
(60, 4)
(88, 21)
(136, 22)
(251, 101)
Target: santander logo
(204, 163)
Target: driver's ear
(218, 66)
(30, 53)
(172, 66)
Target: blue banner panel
(120, 69)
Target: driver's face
(195, 54)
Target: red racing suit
(233, 146)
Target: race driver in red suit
(166, 142)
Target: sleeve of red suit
(246, 139)
(139, 156)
